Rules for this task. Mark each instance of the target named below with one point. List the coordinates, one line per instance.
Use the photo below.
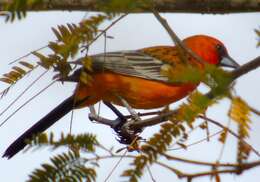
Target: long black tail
(48, 120)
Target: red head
(211, 50)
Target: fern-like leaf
(17, 73)
(240, 113)
(64, 167)
(86, 142)
(70, 38)
(257, 31)
(17, 8)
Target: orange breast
(139, 93)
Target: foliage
(240, 113)
(257, 31)
(17, 72)
(70, 39)
(85, 141)
(64, 167)
(17, 8)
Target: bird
(134, 75)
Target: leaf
(7, 80)
(85, 78)
(57, 34)
(240, 113)
(223, 136)
(182, 73)
(86, 141)
(19, 70)
(26, 64)
(64, 167)
(257, 31)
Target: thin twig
(238, 169)
(174, 37)
(105, 30)
(150, 173)
(23, 92)
(255, 111)
(114, 168)
(170, 157)
(28, 101)
(4, 92)
(28, 54)
(197, 142)
(231, 132)
(224, 143)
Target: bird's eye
(221, 49)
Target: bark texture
(171, 6)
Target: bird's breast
(139, 93)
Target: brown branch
(154, 120)
(255, 111)
(183, 48)
(250, 66)
(235, 168)
(94, 116)
(238, 168)
(196, 142)
(187, 6)
(170, 157)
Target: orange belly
(139, 93)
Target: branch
(250, 66)
(189, 161)
(172, 6)
(229, 167)
(231, 132)
(255, 111)
(237, 170)
(154, 120)
(94, 116)
(184, 49)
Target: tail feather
(48, 120)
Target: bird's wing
(131, 63)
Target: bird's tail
(43, 124)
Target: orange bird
(136, 76)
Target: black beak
(229, 62)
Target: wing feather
(131, 63)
